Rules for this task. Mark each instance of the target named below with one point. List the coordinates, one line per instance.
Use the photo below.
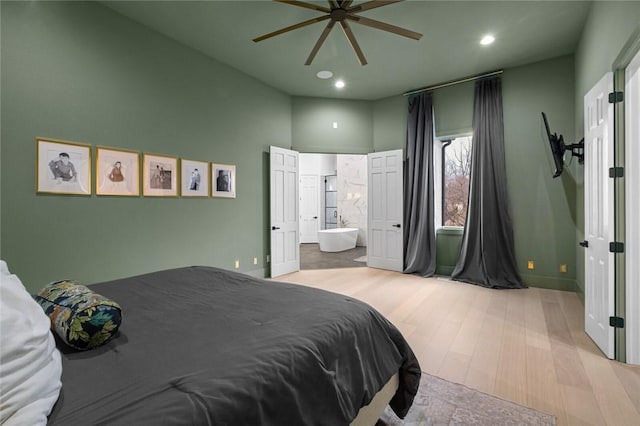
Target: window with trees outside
(456, 168)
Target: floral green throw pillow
(83, 319)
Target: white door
(285, 248)
(384, 246)
(632, 207)
(309, 208)
(598, 210)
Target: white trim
(632, 202)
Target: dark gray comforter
(203, 345)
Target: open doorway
(312, 258)
(333, 211)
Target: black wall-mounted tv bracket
(577, 150)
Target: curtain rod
(452, 83)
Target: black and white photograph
(223, 180)
(160, 176)
(195, 178)
(63, 167)
(117, 172)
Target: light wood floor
(527, 346)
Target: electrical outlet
(563, 268)
(255, 260)
(237, 264)
(530, 265)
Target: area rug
(360, 259)
(440, 402)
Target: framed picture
(223, 180)
(160, 176)
(63, 167)
(117, 172)
(195, 178)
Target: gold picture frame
(195, 178)
(223, 180)
(161, 176)
(63, 167)
(117, 172)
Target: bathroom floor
(312, 258)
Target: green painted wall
(81, 72)
(448, 242)
(543, 209)
(312, 125)
(78, 71)
(389, 123)
(609, 26)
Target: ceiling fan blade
(292, 27)
(385, 27)
(345, 4)
(371, 5)
(305, 5)
(346, 29)
(320, 41)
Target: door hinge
(616, 172)
(616, 322)
(615, 97)
(616, 247)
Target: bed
(202, 345)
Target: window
(456, 167)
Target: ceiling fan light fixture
(324, 74)
(339, 84)
(487, 40)
(342, 12)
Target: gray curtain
(419, 233)
(487, 256)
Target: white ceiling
(525, 32)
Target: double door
(384, 213)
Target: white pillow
(30, 365)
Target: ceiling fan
(342, 11)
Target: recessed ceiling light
(339, 84)
(487, 40)
(324, 74)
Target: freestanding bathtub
(338, 239)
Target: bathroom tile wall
(352, 194)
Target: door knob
(273, 228)
(584, 243)
(315, 217)
(397, 225)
